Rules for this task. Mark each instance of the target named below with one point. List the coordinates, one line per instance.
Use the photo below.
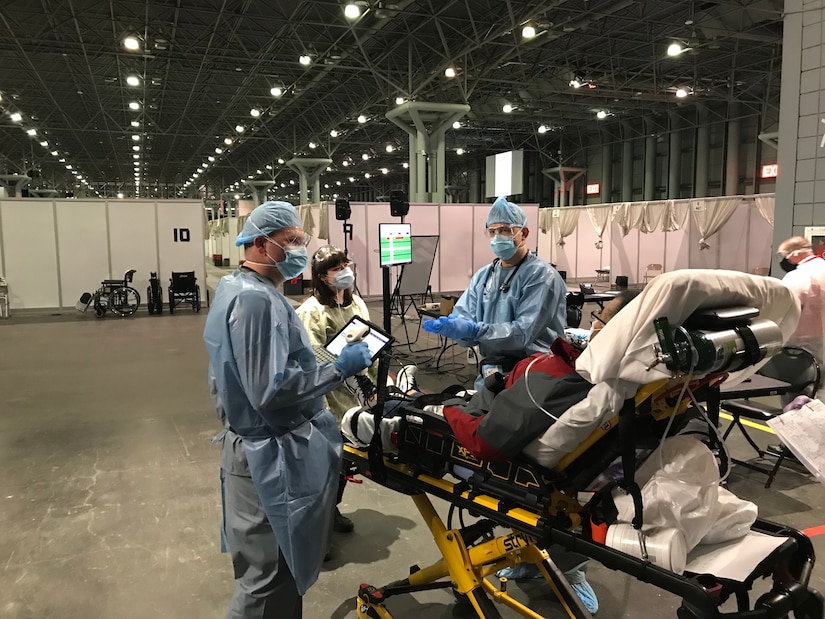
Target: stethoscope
(506, 285)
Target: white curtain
(599, 216)
(711, 215)
(305, 213)
(564, 222)
(628, 215)
(675, 215)
(765, 205)
(545, 220)
(653, 212)
(323, 221)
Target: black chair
(791, 365)
(183, 288)
(575, 303)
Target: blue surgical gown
(519, 321)
(264, 374)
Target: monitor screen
(395, 242)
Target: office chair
(792, 365)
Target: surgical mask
(344, 279)
(294, 262)
(503, 246)
(786, 265)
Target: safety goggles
(502, 231)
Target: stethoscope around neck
(506, 285)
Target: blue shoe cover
(522, 571)
(587, 596)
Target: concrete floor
(110, 498)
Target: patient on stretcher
(501, 418)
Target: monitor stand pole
(385, 278)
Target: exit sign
(770, 170)
(592, 189)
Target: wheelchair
(114, 295)
(183, 288)
(154, 294)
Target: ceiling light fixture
(333, 133)
(352, 11)
(276, 91)
(507, 108)
(366, 175)
(575, 83)
(542, 128)
(136, 147)
(399, 100)
(31, 131)
(305, 60)
(681, 92)
(449, 72)
(280, 161)
(239, 128)
(135, 123)
(528, 32)
(134, 105)
(405, 165)
(312, 145)
(16, 117)
(675, 49)
(136, 138)
(601, 114)
(456, 125)
(227, 141)
(44, 144)
(389, 148)
(365, 157)
(255, 112)
(131, 43)
(133, 80)
(218, 151)
(459, 151)
(362, 119)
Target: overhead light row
(17, 117)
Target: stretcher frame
(549, 519)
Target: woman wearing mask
(331, 306)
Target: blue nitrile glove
(459, 328)
(435, 326)
(353, 358)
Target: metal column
(732, 151)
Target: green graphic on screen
(395, 244)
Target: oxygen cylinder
(726, 350)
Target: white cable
(530, 393)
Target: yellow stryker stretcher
(540, 505)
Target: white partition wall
(51, 251)
(463, 246)
(30, 253)
(180, 237)
(133, 244)
(83, 247)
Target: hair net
(268, 218)
(504, 212)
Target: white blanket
(616, 361)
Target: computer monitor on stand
(395, 248)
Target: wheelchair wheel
(100, 311)
(196, 303)
(124, 301)
(150, 300)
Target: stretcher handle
(627, 440)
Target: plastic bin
(226, 262)
(217, 259)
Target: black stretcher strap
(627, 440)
(752, 353)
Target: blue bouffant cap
(269, 217)
(504, 212)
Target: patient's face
(610, 310)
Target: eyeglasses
(502, 230)
(597, 318)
